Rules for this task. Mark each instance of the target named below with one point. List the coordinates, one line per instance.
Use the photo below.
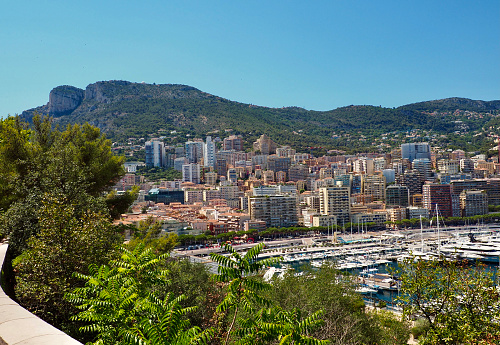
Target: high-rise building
(281, 177)
(325, 173)
(169, 160)
(268, 176)
(221, 166)
(413, 151)
(191, 173)
(374, 186)
(285, 151)
(194, 151)
(211, 178)
(232, 175)
(276, 211)
(447, 166)
(424, 167)
(412, 179)
(155, 153)
(276, 163)
(379, 164)
(364, 165)
(180, 151)
(179, 162)
(346, 180)
(466, 165)
(438, 196)
(209, 153)
(298, 172)
(336, 201)
(193, 195)
(397, 195)
(355, 184)
(274, 190)
(233, 142)
(232, 156)
(473, 202)
(390, 175)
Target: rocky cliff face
(99, 91)
(64, 99)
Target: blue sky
(314, 54)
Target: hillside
(123, 109)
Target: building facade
(335, 201)
(276, 211)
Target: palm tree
(243, 289)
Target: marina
(371, 258)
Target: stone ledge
(19, 327)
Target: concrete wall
(18, 326)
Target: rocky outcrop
(103, 90)
(64, 99)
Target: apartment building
(276, 210)
(336, 201)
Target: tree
(460, 302)
(64, 244)
(119, 204)
(243, 289)
(14, 157)
(119, 303)
(169, 328)
(345, 320)
(76, 163)
(245, 296)
(148, 233)
(192, 280)
(289, 327)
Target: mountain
(452, 104)
(124, 109)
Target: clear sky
(314, 54)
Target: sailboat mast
(421, 234)
(437, 220)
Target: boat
(365, 290)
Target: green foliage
(288, 327)
(460, 303)
(119, 303)
(169, 328)
(65, 244)
(119, 204)
(76, 163)
(156, 174)
(149, 233)
(132, 302)
(421, 327)
(15, 157)
(345, 320)
(242, 288)
(245, 294)
(236, 270)
(192, 280)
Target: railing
(19, 326)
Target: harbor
(371, 258)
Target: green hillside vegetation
(123, 110)
(452, 104)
